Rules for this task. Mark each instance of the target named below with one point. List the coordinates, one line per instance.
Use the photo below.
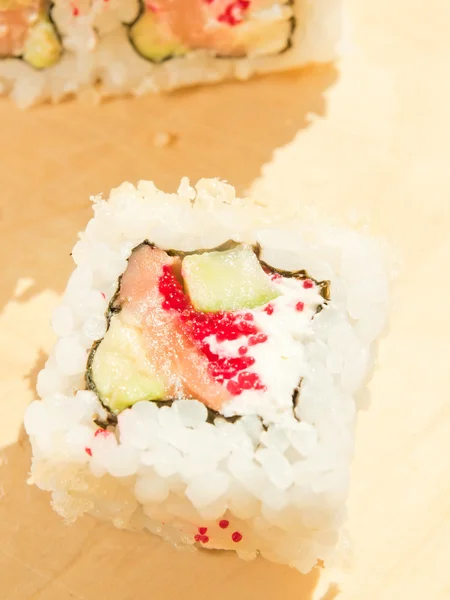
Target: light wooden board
(373, 136)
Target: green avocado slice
(120, 369)
(227, 281)
(42, 48)
(148, 40)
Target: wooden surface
(372, 135)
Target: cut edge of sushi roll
(233, 30)
(218, 301)
(194, 475)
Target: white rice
(168, 470)
(97, 51)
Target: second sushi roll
(51, 49)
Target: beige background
(372, 135)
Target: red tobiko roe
(202, 530)
(88, 451)
(257, 339)
(234, 388)
(223, 524)
(225, 326)
(300, 306)
(236, 536)
(269, 309)
(233, 14)
(201, 538)
(102, 432)
(171, 289)
(247, 381)
(307, 284)
(228, 367)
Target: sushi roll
(173, 43)
(50, 49)
(205, 378)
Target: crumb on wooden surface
(162, 139)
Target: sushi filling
(227, 28)
(27, 32)
(219, 326)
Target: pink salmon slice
(170, 350)
(16, 19)
(197, 23)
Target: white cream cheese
(279, 361)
